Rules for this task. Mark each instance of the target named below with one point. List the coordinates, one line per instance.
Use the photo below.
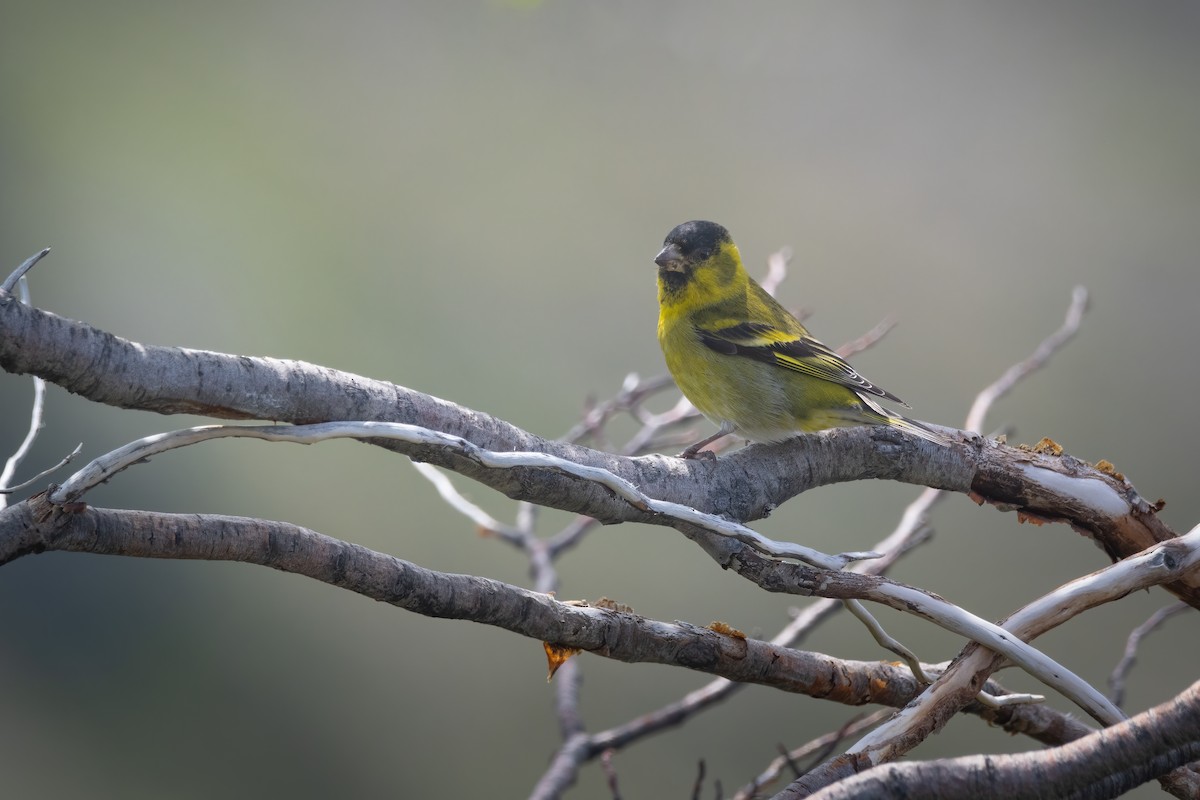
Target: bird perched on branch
(746, 363)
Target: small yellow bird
(745, 362)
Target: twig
(886, 640)
(1131, 752)
(818, 749)
(62, 462)
(456, 500)
(777, 264)
(570, 536)
(610, 774)
(1116, 680)
(633, 391)
(1038, 359)
(11, 281)
(868, 339)
(791, 762)
(39, 399)
(1152, 567)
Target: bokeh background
(465, 198)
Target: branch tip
(11, 281)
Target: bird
(743, 360)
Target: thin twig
(39, 400)
(456, 500)
(610, 774)
(818, 749)
(886, 640)
(62, 462)
(777, 265)
(1102, 764)
(868, 339)
(1038, 359)
(1151, 567)
(11, 281)
(633, 391)
(1116, 680)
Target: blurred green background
(465, 198)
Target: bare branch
(788, 759)
(930, 712)
(10, 282)
(798, 580)
(777, 264)
(140, 451)
(913, 732)
(1116, 681)
(745, 485)
(868, 339)
(1104, 764)
(36, 526)
(39, 398)
(886, 640)
(632, 393)
(62, 462)
(791, 579)
(455, 499)
(1049, 346)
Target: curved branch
(1104, 764)
(36, 526)
(715, 530)
(744, 486)
(941, 701)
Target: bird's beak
(669, 257)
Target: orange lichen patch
(1107, 467)
(1047, 446)
(728, 630)
(557, 655)
(1032, 519)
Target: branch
(37, 526)
(11, 281)
(102, 469)
(1116, 680)
(782, 577)
(744, 486)
(1017, 372)
(905, 536)
(39, 398)
(941, 701)
(817, 748)
(1105, 764)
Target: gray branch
(745, 485)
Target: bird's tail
(871, 413)
(917, 429)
